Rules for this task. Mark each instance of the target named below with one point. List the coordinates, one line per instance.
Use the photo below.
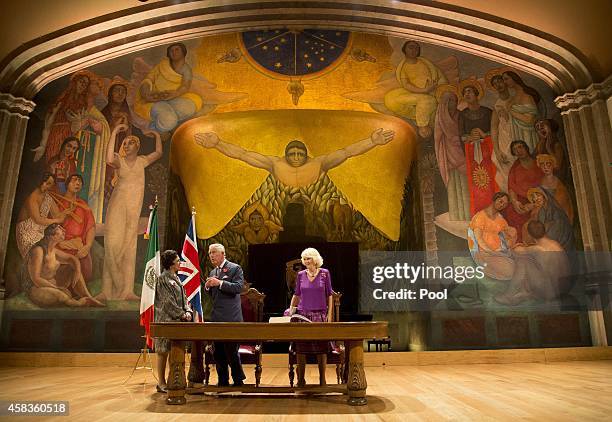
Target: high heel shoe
(161, 389)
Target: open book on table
(294, 317)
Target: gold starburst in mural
(480, 177)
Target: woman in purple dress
(312, 299)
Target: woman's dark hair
(472, 87)
(45, 177)
(519, 142)
(44, 242)
(106, 111)
(411, 42)
(498, 195)
(72, 176)
(536, 229)
(529, 90)
(70, 139)
(496, 77)
(180, 44)
(554, 126)
(167, 258)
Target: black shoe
(223, 384)
(238, 383)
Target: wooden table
(352, 333)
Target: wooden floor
(579, 390)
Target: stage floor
(578, 390)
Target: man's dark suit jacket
(226, 298)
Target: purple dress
(313, 305)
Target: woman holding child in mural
(38, 211)
(123, 213)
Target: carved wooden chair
(335, 356)
(252, 302)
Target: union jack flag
(189, 271)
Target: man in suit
(224, 284)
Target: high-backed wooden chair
(252, 302)
(335, 356)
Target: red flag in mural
(480, 173)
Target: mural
(291, 136)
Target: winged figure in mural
(408, 92)
(170, 92)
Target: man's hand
(212, 282)
(186, 317)
(380, 137)
(208, 139)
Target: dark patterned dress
(170, 304)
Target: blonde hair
(533, 191)
(314, 254)
(125, 141)
(546, 158)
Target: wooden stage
(532, 384)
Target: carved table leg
(196, 367)
(356, 384)
(176, 377)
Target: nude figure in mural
(121, 228)
(295, 168)
(40, 274)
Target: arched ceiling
(47, 39)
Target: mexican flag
(151, 272)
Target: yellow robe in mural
(417, 107)
(162, 78)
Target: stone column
(14, 117)
(587, 120)
(588, 135)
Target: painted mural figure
(295, 168)
(57, 121)
(523, 109)
(38, 212)
(164, 97)
(92, 129)
(544, 208)
(475, 131)
(40, 271)
(116, 112)
(451, 155)
(524, 175)
(490, 239)
(418, 78)
(258, 228)
(123, 213)
(548, 143)
(79, 225)
(542, 269)
(553, 185)
(64, 164)
(501, 129)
